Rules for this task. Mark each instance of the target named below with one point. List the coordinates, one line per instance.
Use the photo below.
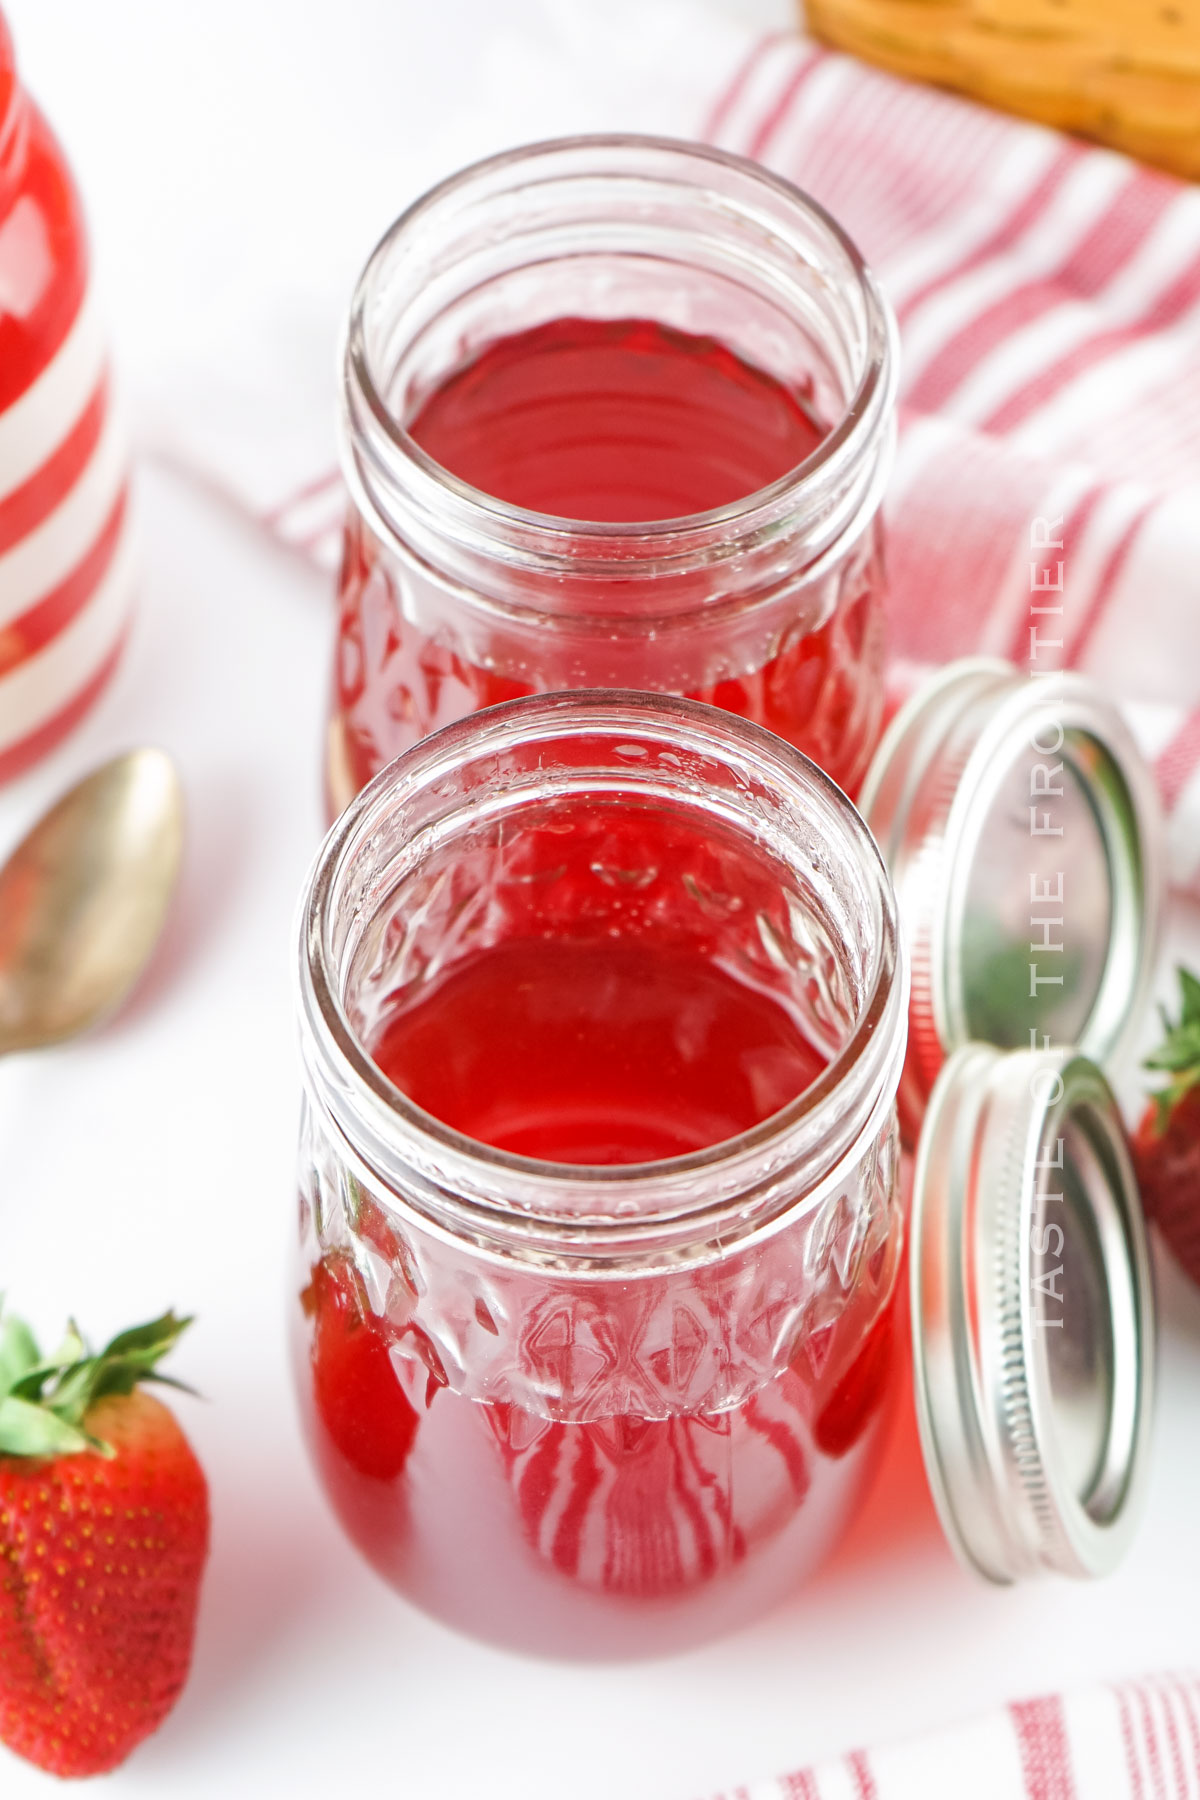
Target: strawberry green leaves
(27, 1429)
(1179, 1054)
(44, 1402)
(18, 1352)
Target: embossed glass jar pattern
(770, 606)
(598, 1410)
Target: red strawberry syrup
(623, 1533)
(607, 420)
(614, 1052)
(621, 419)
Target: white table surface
(152, 1165)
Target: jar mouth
(782, 225)
(627, 1196)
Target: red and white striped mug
(66, 574)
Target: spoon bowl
(84, 897)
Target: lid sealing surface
(1033, 1314)
(1022, 830)
(1021, 826)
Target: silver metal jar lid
(1022, 830)
(1033, 1314)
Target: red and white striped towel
(1049, 303)
(1136, 1741)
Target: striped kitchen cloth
(1048, 295)
(1136, 1741)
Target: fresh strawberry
(103, 1539)
(1166, 1145)
(358, 1397)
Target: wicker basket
(1124, 71)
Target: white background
(153, 1165)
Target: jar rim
(551, 538)
(870, 1056)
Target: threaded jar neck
(432, 848)
(607, 227)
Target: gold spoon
(84, 897)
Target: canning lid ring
(929, 796)
(1004, 1381)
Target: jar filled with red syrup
(617, 412)
(603, 1018)
(66, 562)
(604, 1015)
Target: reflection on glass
(1037, 913)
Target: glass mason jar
(580, 1408)
(66, 570)
(770, 606)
